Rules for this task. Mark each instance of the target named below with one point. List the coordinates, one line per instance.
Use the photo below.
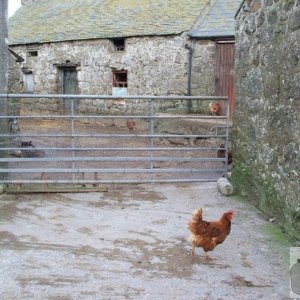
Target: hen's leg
(207, 256)
(193, 250)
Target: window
(120, 78)
(32, 50)
(32, 53)
(120, 83)
(28, 81)
(119, 44)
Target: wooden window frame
(117, 81)
(32, 50)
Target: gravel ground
(131, 242)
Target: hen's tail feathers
(195, 220)
(197, 214)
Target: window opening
(120, 79)
(32, 50)
(119, 44)
(32, 53)
(28, 81)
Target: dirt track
(131, 243)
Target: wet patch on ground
(239, 281)
(132, 243)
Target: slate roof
(218, 20)
(61, 20)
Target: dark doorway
(69, 86)
(224, 80)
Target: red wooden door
(224, 80)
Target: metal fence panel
(154, 141)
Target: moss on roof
(60, 20)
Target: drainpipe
(189, 87)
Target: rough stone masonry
(156, 65)
(267, 116)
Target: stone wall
(203, 71)
(3, 49)
(3, 80)
(267, 114)
(15, 82)
(156, 66)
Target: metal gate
(108, 139)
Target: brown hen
(215, 108)
(130, 124)
(208, 235)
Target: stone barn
(267, 114)
(130, 47)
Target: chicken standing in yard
(208, 235)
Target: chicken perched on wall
(215, 108)
(208, 235)
(130, 124)
(221, 153)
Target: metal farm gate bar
(92, 139)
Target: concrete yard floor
(131, 242)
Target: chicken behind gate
(221, 153)
(215, 108)
(130, 124)
(208, 235)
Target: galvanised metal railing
(83, 155)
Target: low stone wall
(267, 114)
